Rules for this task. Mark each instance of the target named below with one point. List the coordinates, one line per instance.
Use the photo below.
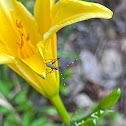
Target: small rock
(75, 83)
(109, 84)
(81, 27)
(123, 45)
(90, 66)
(121, 6)
(111, 64)
(82, 100)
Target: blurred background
(92, 63)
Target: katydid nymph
(53, 67)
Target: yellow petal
(54, 47)
(6, 59)
(42, 15)
(9, 60)
(52, 82)
(23, 70)
(3, 48)
(48, 87)
(18, 12)
(66, 12)
(29, 74)
(37, 64)
(48, 49)
(52, 3)
(8, 36)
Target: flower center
(25, 47)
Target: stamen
(22, 42)
(20, 32)
(27, 38)
(21, 36)
(25, 47)
(19, 24)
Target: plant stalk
(57, 102)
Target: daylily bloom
(28, 42)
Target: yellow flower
(28, 42)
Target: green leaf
(104, 104)
(5, 87)
(25, 106)
(21, 97)
(67, 54)
(98, 114)
(89, 0)
(10, 120)
(109, 100)
(3, 110)
(66, 74)
(90, 122)
(39, 122)
(27, 118)
(94, 116)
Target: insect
(50, 65)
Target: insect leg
(49, 61)
(55, 60)
(52, 61)
(52, 71)
(48, 71)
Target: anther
(22, 42)
(19, 24)
(21, 38)
(21, 34)
(27, 38)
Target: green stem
(60, 108)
